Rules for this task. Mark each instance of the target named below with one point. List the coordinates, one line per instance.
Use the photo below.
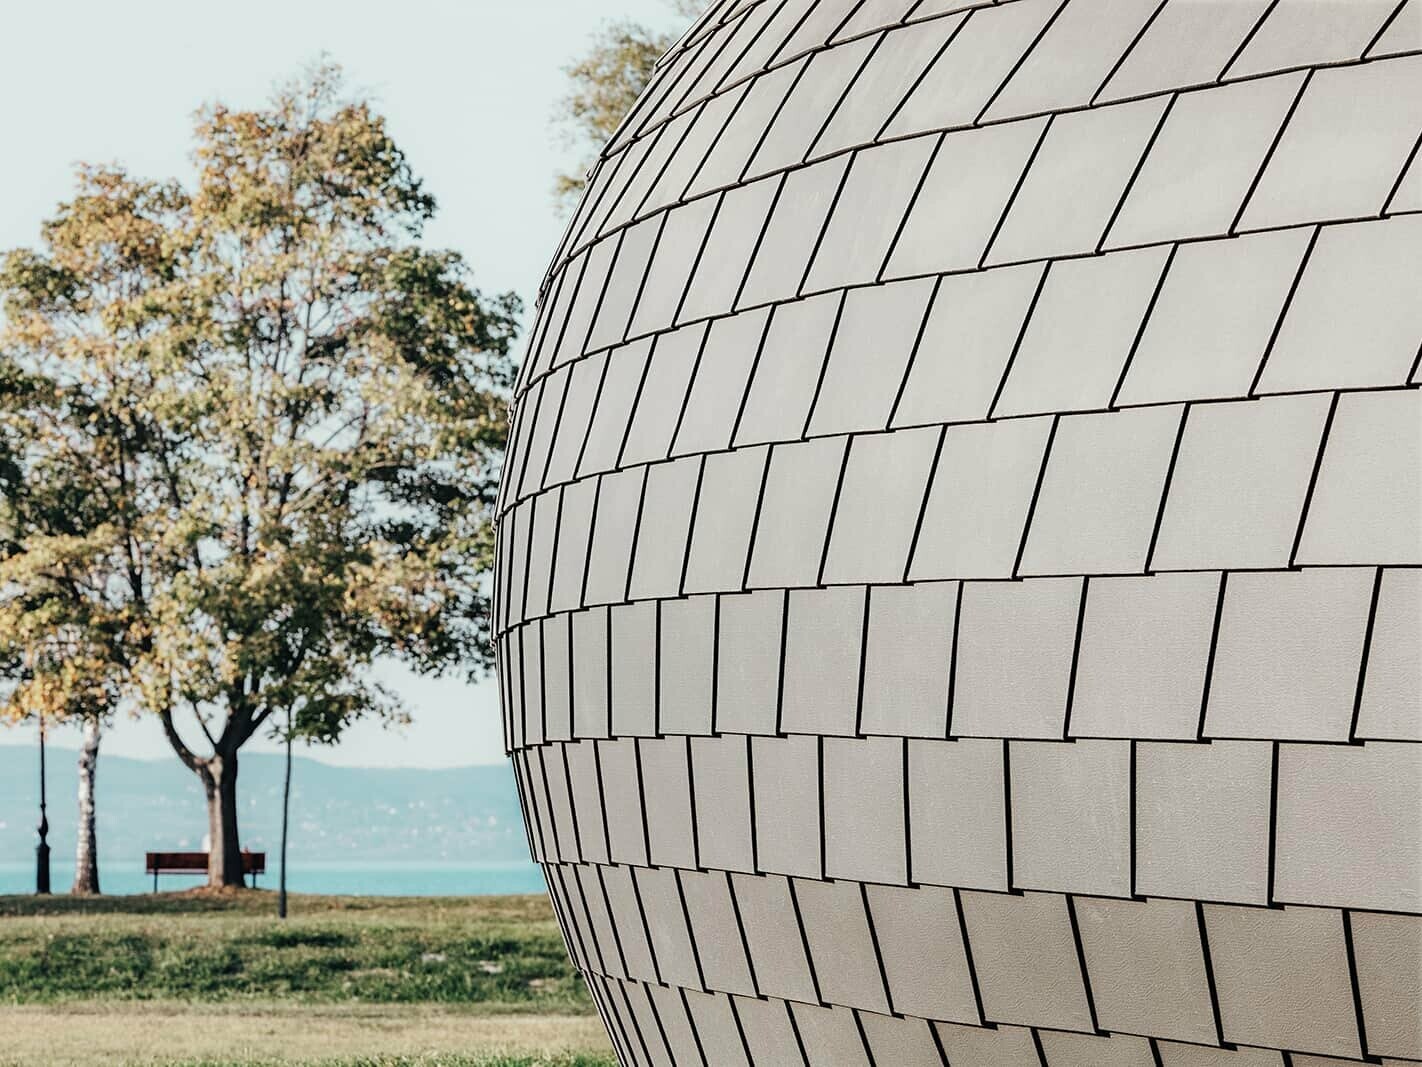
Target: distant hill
(354, 814)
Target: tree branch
(189, 758)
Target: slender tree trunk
(285, 811)
(224, 858)
(86, 857)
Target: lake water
(357, 879)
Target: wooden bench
(253, 863)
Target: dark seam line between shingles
(908, 811)
(1366, 654)
(908, 213)
(1313, 480)
(1075, 657)
(1387, 23)
(834, 508)
(863, 669)
(1356, 987)
(695, 265)
(733, 308)
(1012, 196)
(824, 365)
(742, 175)
(953, 661)
(843, 96)
(641, 787)
(923, 504)
(657, 1015)
(923, 74)
(1209, 973)
(750, 377)
(1273, 824)
(1210, 656)
(657, 606)
(1248, 38)
(686, 920)
(804, 939)
(1036, 495)
(1120, 62)
(740, 1029)
(686, 396)
(913, 354)
(636, 534)
(1111, 404)
(691, 1025)
(1165, 488)
(1136, 173)
(755, 520)
(1021, 61)
(1007, 809)
(1269, 153)
(1037, 1047)
(1081, 962)
(1017, 343)
(780, 670)
(968, 954)
(1284, 311)
(691, 525)
(1402, 175)
(824, 226)
(878, 950)
(619, 460)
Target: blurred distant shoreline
(368, 830)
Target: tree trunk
(86, 857)
(224, 857)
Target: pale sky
(468, 89)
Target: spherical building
(958, 596)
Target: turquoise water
(358, 879)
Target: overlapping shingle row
(959, 585)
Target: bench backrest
(179, 862)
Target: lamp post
(42, 849)
(285, 810)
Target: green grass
(495, 954)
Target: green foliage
(501, 954)
(604, 84)
(250, 434)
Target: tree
(61, 595)
(605, 83)
(308, 411)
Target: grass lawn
(217, 980)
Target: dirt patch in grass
(187, 1035)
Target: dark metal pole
(42, 849)
(285, 809)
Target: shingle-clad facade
(959, 587)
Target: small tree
(313, 408)
(603, 86)
(63, 602)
